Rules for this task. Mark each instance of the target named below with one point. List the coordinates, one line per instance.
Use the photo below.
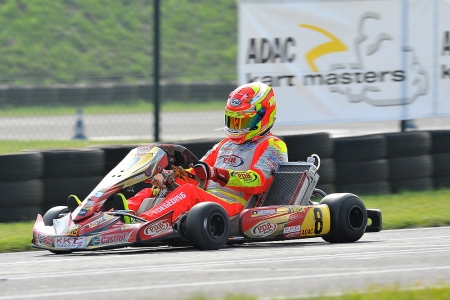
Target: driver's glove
(205, 172)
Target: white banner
(346, 61)
(443, 52)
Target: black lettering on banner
(272, 80)
(446, 43)
(251, 53)
(445, 72)
(264, 50)
(398, 75)
(318, 224)
(353, 78)
(265, 54)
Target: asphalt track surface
(296, 268)
(176, 126)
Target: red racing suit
(250, 166)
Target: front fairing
(139, 165)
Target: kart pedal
(120, 203)
(73, 202)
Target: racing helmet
(250, 112)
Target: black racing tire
(441, 164)
(301, 146)
(410, 167)
(369, 188)
(412, 185)
(362, 171)
(348, 216)
(54, 213)
(208, 226)
(440, 141)
(404, 144)
(20, 166)
(72, 162)
(57, 190)
(369, 147)
(19, 214)
(21, 193)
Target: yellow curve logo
(335, 45)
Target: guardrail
(33, 181)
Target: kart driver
(239, 166)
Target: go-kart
(284, 211)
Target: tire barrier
(361, 172)
(440, 150)
(57, 190)
(72, 162)
(370, 188)
(19, 199)
(414, 184)
(410, 167)
(303, 145)
(362, 148)
(33, 181)
(21, 166)
(327, 170)
(113, 155)
(405, 144)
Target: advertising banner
(345, 61)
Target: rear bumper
(376, 221)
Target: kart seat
(148, 203)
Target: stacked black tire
(21, 187)
(410, 164)
(440, 153)
(70, 171)
(300, 147)
(361, 167)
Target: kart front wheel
(54, 213)
(348, 216)
(208, 226)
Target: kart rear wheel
(54, 213)
(208, 226)
(348, 218)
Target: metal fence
(84, 69)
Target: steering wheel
(181, 156)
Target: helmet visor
(234, 123)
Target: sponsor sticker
(291, 229)
(231, 160)
(263, 212)
(170, 201)
(70, 242)
(264, 229)
(157, 228)
(97, 222)
(235, 102)
(109, 239)
(98, 194)
(72, 230)
(45, 240)
(143, 150)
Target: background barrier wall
(33, 181)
